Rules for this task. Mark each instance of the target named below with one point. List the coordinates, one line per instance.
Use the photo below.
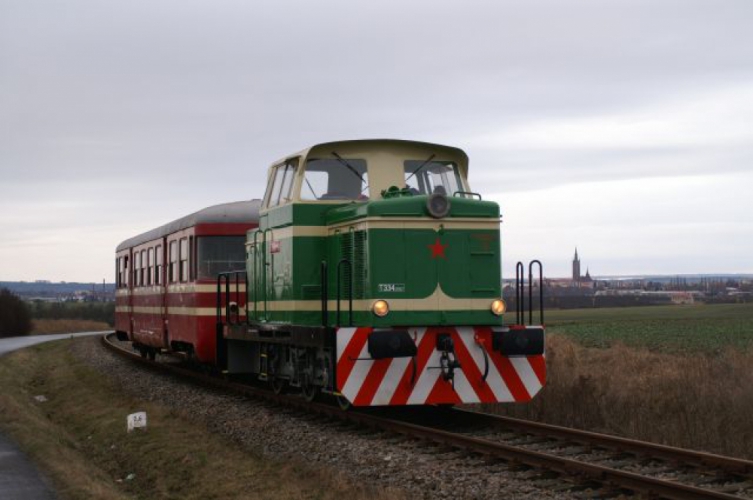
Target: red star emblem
(437, 249)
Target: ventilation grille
(353, 248)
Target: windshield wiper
(350, 167)
(419, 168)
(311, 188)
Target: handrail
(265, 264)
(256, 274)
(530, 291)
(350, 291)
(519, 293)
(463, 193)
(324, 293)
(232, 317)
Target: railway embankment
(66, 403)
(197, 435)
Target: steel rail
(730, 465)
(580, 470)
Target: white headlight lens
(381, 308)
(498, 307)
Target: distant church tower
(576, 266)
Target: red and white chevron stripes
(368, 382)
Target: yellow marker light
(498, 307)
(380, 308)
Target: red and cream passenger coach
(166, 293)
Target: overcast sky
(624, 128)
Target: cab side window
(280, 186)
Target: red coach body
(166, 279)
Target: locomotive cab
(375, 275)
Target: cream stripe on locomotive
(381, 223)
(417, 223)
(438, 299)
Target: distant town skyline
(619, 127)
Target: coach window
(220, 254)
(173, 261)
(191, 258)
(122, 277)
(142, 275)
(158, 266)
(150, 267)
(123, 272)
(136, 266)
(184, 259)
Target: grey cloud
(184, 104)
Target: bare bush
(14, 315)
(689, 400)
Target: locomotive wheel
(279, 385)
(343, 403)
(309, 392)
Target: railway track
(607, 464)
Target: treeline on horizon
(599, 301)
(16, 315)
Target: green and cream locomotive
(374, 275)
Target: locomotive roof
(237, 212)
(376, 144)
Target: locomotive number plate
(392, 287)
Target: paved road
(12, 343)
(19, 478)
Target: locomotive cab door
(271, 259)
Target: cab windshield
(335, 179)
(429, 177)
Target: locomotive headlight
(498, 307)
(438, 205)
(381, 308)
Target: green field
(698, 328)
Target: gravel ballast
(373, 459)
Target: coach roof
(238, 212)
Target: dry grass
(689, 400)
(79, 438)
(49, 326)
